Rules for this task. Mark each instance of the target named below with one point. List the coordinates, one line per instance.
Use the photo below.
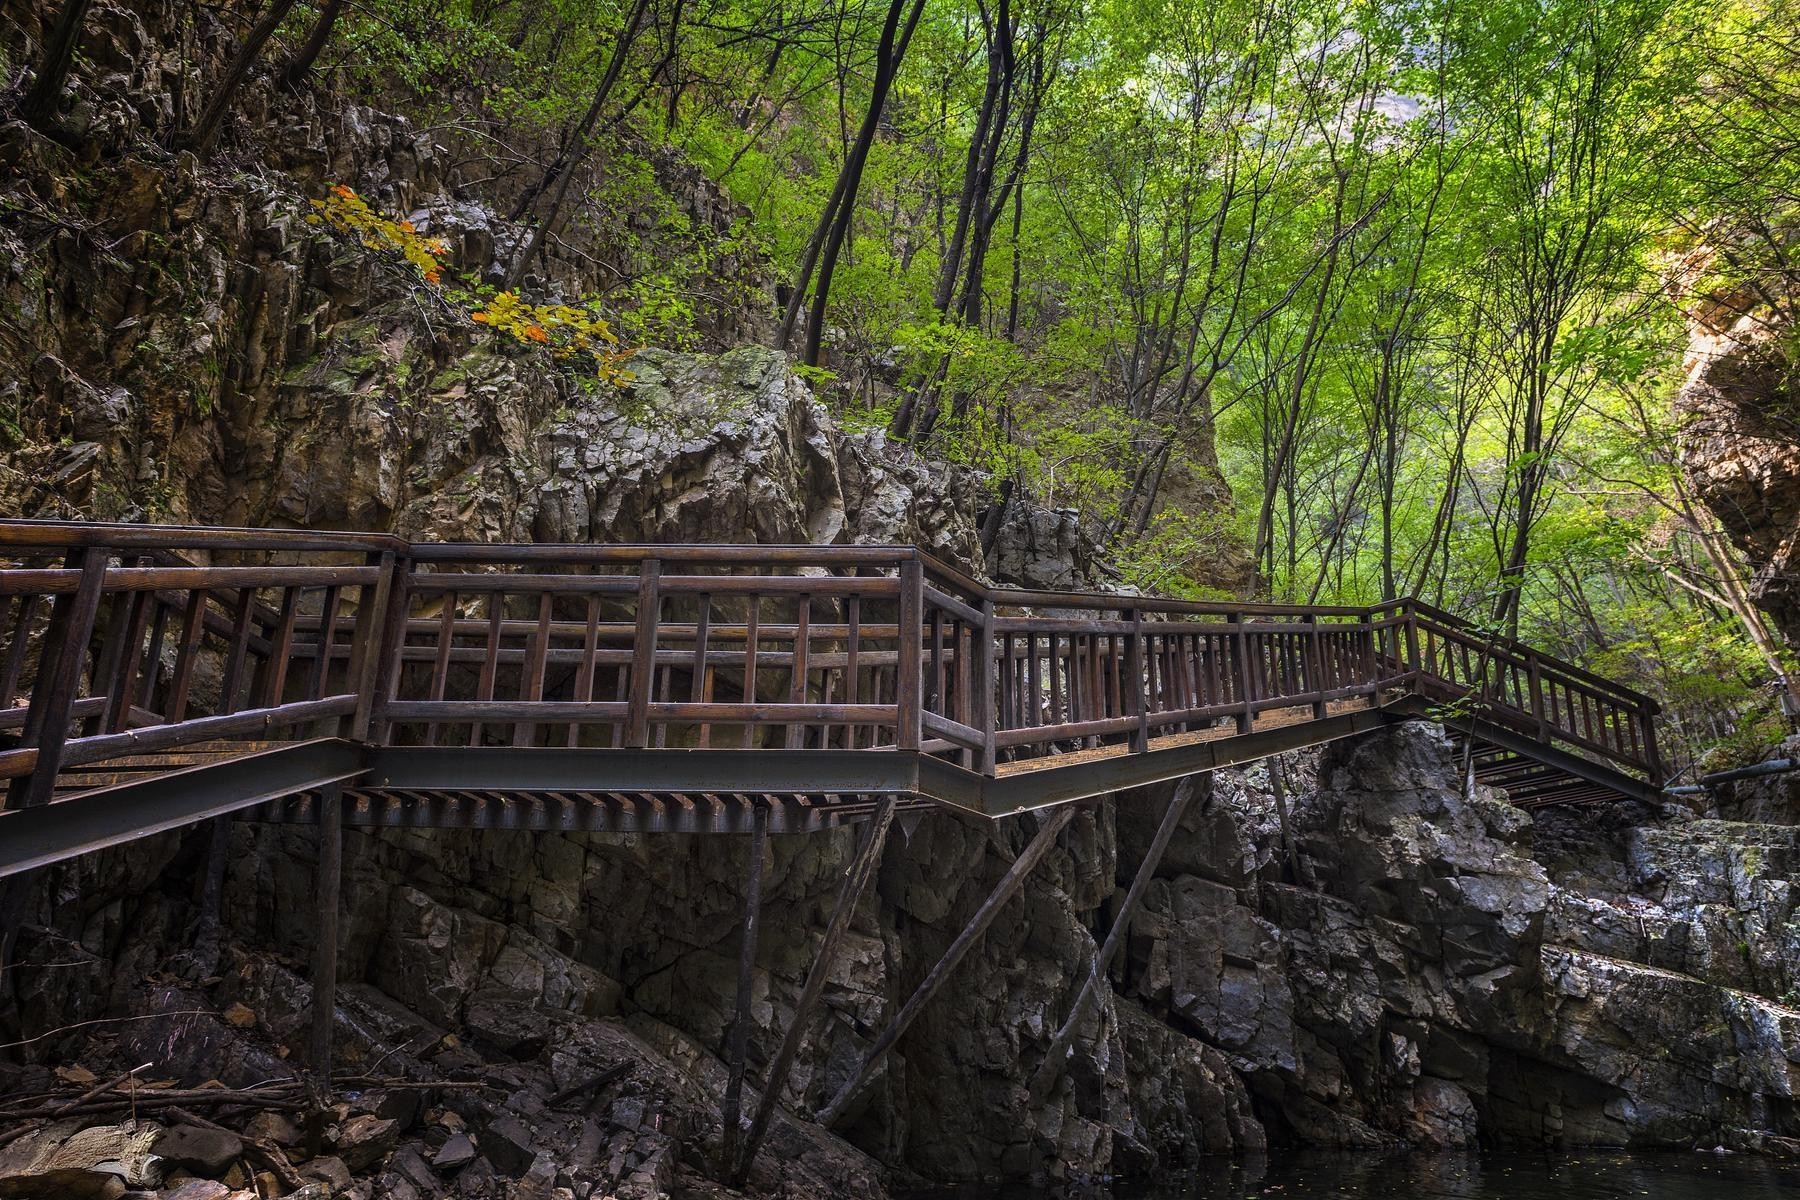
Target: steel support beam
(80, 824)
(849, 896)
(1543, 752)
(1038, 789)
(325, 937)
(1051, 827)
(690, 772)
(738, 1048)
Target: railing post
(366, 645)
(59, 676)
(1247, 718)
(985, 679)
(643, 654)
(1653, 762)
(911, 626)
(1537, 695)
(1135, 683)
(1411, 627)
(1315, 666)
(387, 657)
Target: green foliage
(1385, 298)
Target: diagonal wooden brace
(1056, 1057)
(856, 880)
(1003, 891)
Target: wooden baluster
(852, 651)
(65, 647)
(985, 719)
(796, 728)
(536, 666)
(934, 696)
(1115, 683)
(643, 654)
(1138, 696)
(242, 616)
(281, 649)
(586, 671)
(907, 682)
(1009, 684)
(1034, 683)
(122, 663)
(490, 658)
(965, 682)
(440, 665)
(750, 640)
(387, 659)
(105, 680)
(700, 688)
(23, 615)
(187, 649)
(1315, 667)
(1246, 716)
(321, 671)
(664, 675)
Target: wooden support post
(1137, 698)
(738, 1045)
(325, 941)
(1054, 1060)
(1246, 718)
(1537, 695)
(984, 916)
(59, 675)
(986, 718)
(848, 897)
(1412, 645)
(365, 645)
(907, 696)
(797, 673)
(1314, 665)
(643, 655)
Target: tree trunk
(200, 138)
(301, 65)
(40, 103)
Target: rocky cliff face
(1741, 442)
(1428, 977)
(1402, 967)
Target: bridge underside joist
(699, 791)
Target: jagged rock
(196, 1189)
(507, 1143)
(364, 1140)
(201, 1150)
(329, 1170)
(72, 1158)
(273, 1127)
(456, 1151)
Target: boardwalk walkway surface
(153, 677)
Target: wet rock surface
(1412, 975)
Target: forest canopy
(1315, 300)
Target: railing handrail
(924, 585)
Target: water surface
(1592, 1176)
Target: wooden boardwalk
(688, 688)
(155, 677)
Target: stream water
(1592, 1176)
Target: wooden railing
(125, 639)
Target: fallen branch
(593, 1083)
(262, 1150)
(108, 1086)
